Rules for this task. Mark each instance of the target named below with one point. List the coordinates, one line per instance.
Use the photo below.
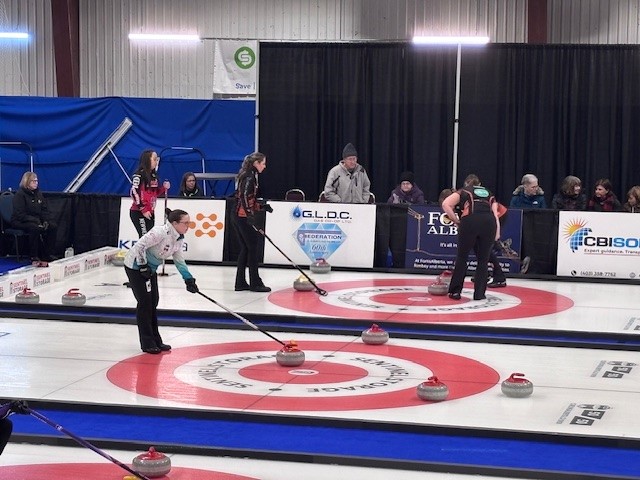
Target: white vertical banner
(204, 241)
(343, 234)
(235, 67)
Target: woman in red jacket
(145, 189)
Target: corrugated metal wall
(112, 65)
(27, 67)
(594, 21)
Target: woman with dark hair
(31, 213)
(603, 199)
(141, 263)
(570, 196)
(244, 220)
(145, 190)
(633, 200)
(189, 186)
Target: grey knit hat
(349, 151)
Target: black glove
(20, 406)
(266, 207)
(191, 285)
(145, 272)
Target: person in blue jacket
(528, 194)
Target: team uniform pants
(147, 295)
(141, 223)
(478, 231)
(498, 274)
(248, 256)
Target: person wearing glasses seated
(189, 186)
(141, 264)
(31, 214)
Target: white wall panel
(27, 67)
(594, 21)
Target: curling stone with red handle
(375, 335)
(290, 355)
(517, 386)
(445, 277)
(438, 288)
(320, 266)
(432, 390)
(152, 463)
(74, 297)
(27, 296)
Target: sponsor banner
(14, 283)
(599, 245)
(343, 234)
(204, 241)
(432, 240)
(235, 67)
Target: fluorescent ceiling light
(438, 40)
(15, 35)
(171, 37)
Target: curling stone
(432, 390)
(27, 296)
(152, 463)
(302, 284)
(517, 386)
(375, 335)
(445, 277)
(118, 258)
(320, 266)
(74, 297)
(438, 288)
(290, 355)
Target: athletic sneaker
(494, 284)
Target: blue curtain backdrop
(65, 132)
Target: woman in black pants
(478, 228)
(244, 219)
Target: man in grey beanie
(348, 181)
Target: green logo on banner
(245, 58)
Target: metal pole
(456, 120)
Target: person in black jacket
(244, 219)
(31, 214)
(189, 186)
(479, 228)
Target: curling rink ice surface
(577, 391)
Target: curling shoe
(455, 296)
(164, 347)
(260, 288)
(152, 350)
(494, 284)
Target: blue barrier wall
(65, 132)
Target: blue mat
(377, 443)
